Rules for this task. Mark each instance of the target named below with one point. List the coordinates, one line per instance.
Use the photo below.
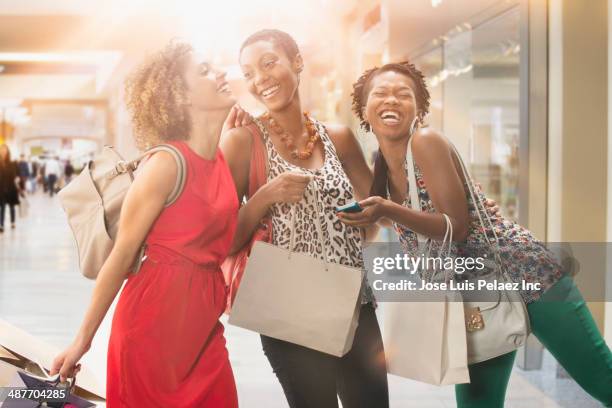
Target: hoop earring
(414, 125)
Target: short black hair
(280, 38)
(362, 87)
(360, 98)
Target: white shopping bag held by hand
(425, 338)
(275, 296)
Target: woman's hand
(66, 363)
(374, 209)
(492, 207)
(288, 187)
(236, 118)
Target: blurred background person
(53, 171)
(68, 172)
(23, 170)
(33, 181)
(42, 175)
(9, 181)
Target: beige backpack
(93, 201)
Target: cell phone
(353, 207)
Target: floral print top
(523, 257)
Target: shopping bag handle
(51, 379)
(447, 240)
(415, 203)
(493, 243)
(317, 224)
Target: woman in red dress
(167, 347)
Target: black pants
(12, 210)
(311, 379)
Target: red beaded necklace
(285, 137)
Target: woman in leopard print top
(271, 63)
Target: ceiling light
(10, 102)
(435, 3)
(74, 57)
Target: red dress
(166, 346)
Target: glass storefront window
(494, 109)
(475, 85)
(431, 64)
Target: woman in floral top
(392, 101)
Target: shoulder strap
(181, 167)
(414, 198)
(257, 170)
(476, 198)
(413, 191)
(480, 208)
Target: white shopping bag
(275, 298)
(425, 336)
(426, 340)
(298, 298)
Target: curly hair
(362, 87)
(280, 38)
(155, 95)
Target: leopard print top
(342, 242)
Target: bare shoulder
(339, 133)
(236, 144)
(159, 162)
(158, 174)
(428, 142)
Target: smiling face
(207, 88)
(391, 104)
(271, 77)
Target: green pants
(561, 320)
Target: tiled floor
(42, 292)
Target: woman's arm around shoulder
(236, 145)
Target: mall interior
(522, 87)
